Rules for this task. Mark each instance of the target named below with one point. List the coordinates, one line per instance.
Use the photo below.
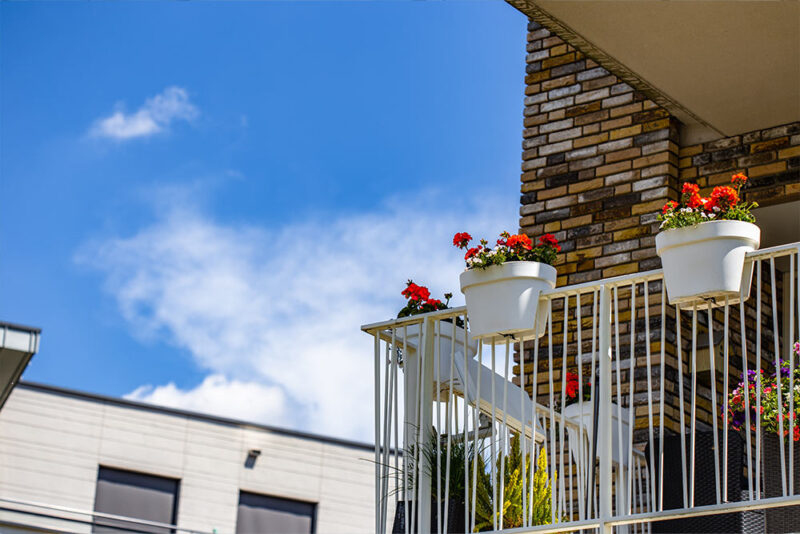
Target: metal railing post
(426, 425)
(604, 425)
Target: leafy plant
(509, 248)
(513, 507)
(724, 204)
(775, 399)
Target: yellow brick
(580, 187)
(552, 193)
(625, 132)
(792, 189)
(578, 255)
(647, 207)
(558, 50)
(630, 233)
(610, 226)
(655, 159)
(617, 270)
(613, 168)
(556, 61)
(655, 125)
(719, 179)
(688, 174)
(690, 150)
(772, 168)
(685, 162)
(622, 189)
(554, 226)
(572, 222)
(591, 140)
(789, 152)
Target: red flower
(549, 240)
(690, 189)
(572, 385)
(461, 239)
(472, 252)
(696, 201)
(434, 303)
(519, 240)
(671, 205)
(738, 179)
(724, 197)
(415, 292)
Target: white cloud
(155, 116)
(273, 314)
(220, 396)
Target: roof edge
(58, 390)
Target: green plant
(513, 508)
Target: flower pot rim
(675, 237)
(509, 270)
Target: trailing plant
(724, 204)
(776, 401)
(509, 247)
(514, 509)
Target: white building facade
(72, 461)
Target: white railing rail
(627, 423)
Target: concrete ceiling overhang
(18, 344)
(726, 66)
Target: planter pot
(448, 333)
(787, 518)
(706, 261)
(502, 300)
(586, 419)
(455, 517)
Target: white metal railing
(449, 405)
(30, 516)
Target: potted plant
(776, 406)
(502, 284)
(704, 242)
(419, 301)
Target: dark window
(273, 515)
(135, 495)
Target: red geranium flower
(549, 240)
(671, 205)
(519, 240)
(690, 189)
(461, 239)
(472, 252)
(572, 385)
(696, 201)
(415, 292)
(738, 179)
(724, 197)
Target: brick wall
(599, 161)
(770, 157)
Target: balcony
(634, 440)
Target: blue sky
(201, 202)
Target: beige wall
(51, 445)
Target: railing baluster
(561, 429)
(746, 398)
(693, 416)
(776, 337)
(631, 407)
(377, 400)
(714, 413)
(438, 443)
(552, 463)
(652, 490)
(493, 445)
(727, 372)
(759, 378)
(662, 380)
(790, 347)
(682, 412)
(476, 429)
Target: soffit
(733, 66)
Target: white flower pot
(585, 418)
(706, 261)
(502, 300)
